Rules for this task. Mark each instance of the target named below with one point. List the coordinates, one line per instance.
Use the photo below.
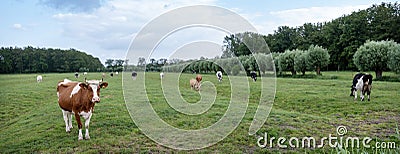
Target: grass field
(31, 120)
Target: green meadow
(32, 122)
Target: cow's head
(92, 88)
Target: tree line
(45, 60)
(116, 64)
(233, 66)
(341, 37)
(377, 56)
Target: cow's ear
(83, 85)
(103, 85)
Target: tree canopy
(374, 56)
(44, 60)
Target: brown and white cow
(194, 84)
(79, 98)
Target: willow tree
(373, 56)
(317, 57)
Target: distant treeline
(44, 60)
(341, 36)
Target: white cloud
(18, 26)
(315, 14)
(297, 17)
(111, 26)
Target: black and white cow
(219, 76)
(134, 74)
(362, 82)
(253, 75)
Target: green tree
(286, 61)
(373, 56)
(317, 57)
(300, 62)
(110, 64)
(141, 61)
(275, 57)
(394, 57)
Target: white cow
(39, 78)
(219, 76)
(162, 75)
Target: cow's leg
(362, 93)
(65, 115)
(369, 95)
(87, 117)
(70, 120)
(78, 120)
(355, 94)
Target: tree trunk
(378, 74)
(318, 70)
(293, 72)
(303, 72)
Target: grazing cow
(199, 78)
(39, 78)
(116, 73)
(103, 75)
(76, 75)
(253, 75)
(162, 75)
(194, 84)
(362, 82)
(112, 74)
(134, 74)
(219, 76)
(84, 73)
(79, 98)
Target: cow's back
(356, 77)
(64, 90)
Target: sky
(108, 29)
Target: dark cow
(112, 74)
(219, 76)
(79, 98)
(362, 82)
(134, 74)
(76, 75)
(253, 75)
(199, 78)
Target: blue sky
(105, 28)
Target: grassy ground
(31, 120)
